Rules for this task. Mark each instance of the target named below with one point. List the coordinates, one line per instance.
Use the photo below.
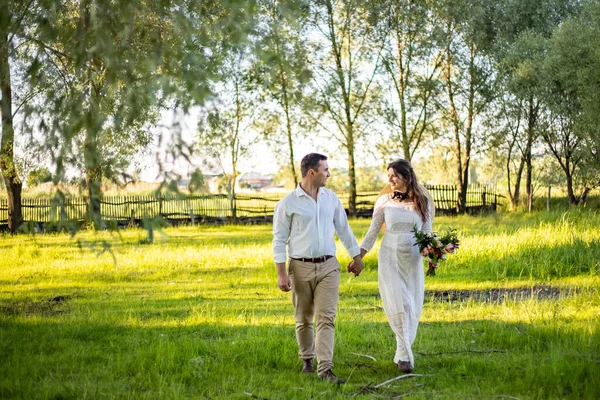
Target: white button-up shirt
(307, 226)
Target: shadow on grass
(473, 358)
(194, 272)
(151, 308)
(200, 236)
(243, 300)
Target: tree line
(84, 84)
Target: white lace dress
(400, 269)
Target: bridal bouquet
(435, 247)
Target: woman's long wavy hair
(404, 169)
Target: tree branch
(45, 46)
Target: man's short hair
(311, 161)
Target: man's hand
(356, 265)
(351, 266)
(284, 282)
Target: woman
(401, 278)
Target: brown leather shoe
(307, 366)
(330, 376)
(404, 366)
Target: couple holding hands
(304, 224)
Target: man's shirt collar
(301, 192)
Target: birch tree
(282, 73)
(411, 61)
(468, 77)
(226, 130)
(346, 56)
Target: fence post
(548, 199)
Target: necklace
(399, 195)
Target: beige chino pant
(315, 289)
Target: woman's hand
(356, 265)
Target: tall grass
(198, 314)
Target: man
(305, 221)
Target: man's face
(321, 174)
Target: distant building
(255, 181)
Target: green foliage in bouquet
(435, 247)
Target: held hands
(356, 266)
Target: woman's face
(397, 182)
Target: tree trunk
(351, 178)
(569, 143)
(584, 195)
(573, 200)
(93, 177)
(570, 192)
(235, 148)
(515, 198)
(7, 165)
(93, 180)
(514, 195)
(92, 126)
(232, 194)
(455, 124)
(349, 123)
(291, 146)
(286, 109)
(531, 121)
(401, 97)
(464, 183)
(461, 166)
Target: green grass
(198, 314)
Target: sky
(261, 158)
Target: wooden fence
(217, 208)
(480, 199)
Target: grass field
(197, 314)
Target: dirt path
(539, 292)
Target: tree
(346, 59)
(23, 34)
(90, 101)
(114, 85)
(280, 70)
(520, 109)
(197, 182)
(522, 32)
(468, 78)
(412, 60)
(10, 22)
(284, 177)
(571, 84)
(225, 131)
(38, 176)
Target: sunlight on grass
(197, 314)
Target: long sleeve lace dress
(400, 268)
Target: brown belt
(321, 259)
